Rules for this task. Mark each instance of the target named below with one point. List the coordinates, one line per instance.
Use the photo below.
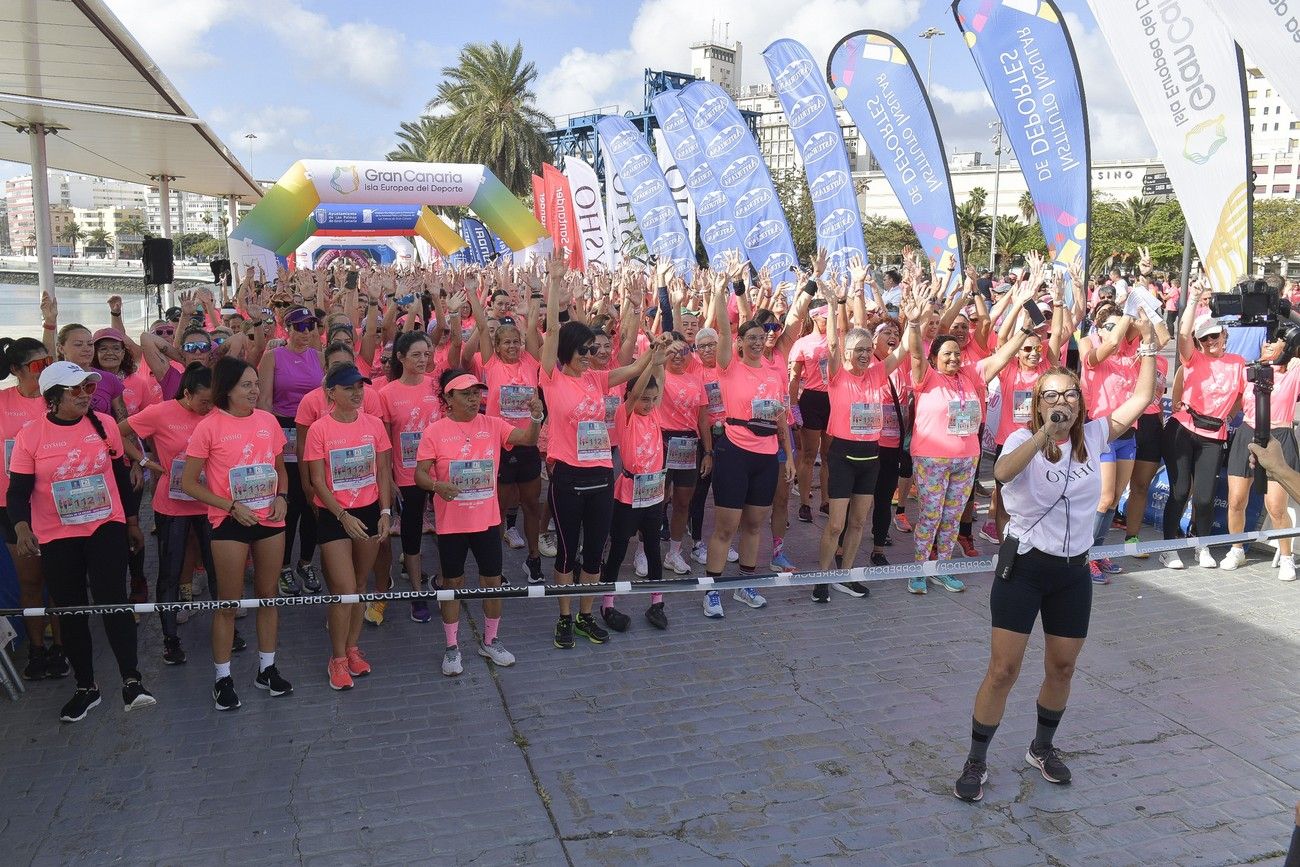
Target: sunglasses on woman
(196, 347)
(303, 325)
(167, 333)
(35, 366)
(86, 387)
(589, 349)
(771, 327)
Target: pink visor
(465, 380)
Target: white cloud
(1115, 127)
(962, 101)
(175, 33)
(357, 52)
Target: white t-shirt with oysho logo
(1067, 522)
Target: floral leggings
(943, 485)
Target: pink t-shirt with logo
(139, 390)
(315, 405)
(643, 456)
(892, 427)
(1017, 388)
(350, 451)
(1162, 385)
(239, 455)
(172, 426)
(510, 388)
(75, 490)
(16, 412)
(857, 411)
(682, 396)
(467, 454)
(811, 350)
(408, 410)
(949, 410)
(1211, 386)
(753, 393)
(1110, 382)
(576, 411)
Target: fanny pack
(1201, 421)
(758, 427)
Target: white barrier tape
(864, 574)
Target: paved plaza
(791, 735)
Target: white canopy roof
(71, 64)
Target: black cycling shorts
(1150, 436)
(7, 527)
(683, 478)
(519, 465)
(1047, 585)
(852, 468)
(328, 528)
(454, 549)
(230, 530)
(815, 409)
(741, 477)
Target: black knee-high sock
(980, 737)
(1048, 720)
(1102, 526)
(964, 527)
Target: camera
(1253, 302)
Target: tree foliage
(792, 192)
(1276, 229)
(887, 238)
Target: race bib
(515, 400)
(963, 417)
(174, 491)
(475, 480)
(291, 447)
(681, 453)
(253, 485)
(82, 501)
(352, 469)
(9, 453)
(825, 366)
(647, 489)
(593, 441)
(1022, 401)
(889, 421)
(865, 419)
(611, 409)
(763, 409)
(713, 390)
(409, 440)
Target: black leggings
(1192, 464)
(698, 501)
(299, 520)
(626, 524)
(100, 560)
(882, 511)
(582, 502)
(173, 536)
(414, 499)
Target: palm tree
(1138, 212)
(973, 226)
(978, 197)
(485, 109)
(132, 226)
(1014, 237)
(1027, 209)
(71, 234)
(415, 142)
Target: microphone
(1058, 417)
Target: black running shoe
(223, 694)
(36, 667)
(614, 619)
(821, 594)
(288, 584)
(1048, 760)
(805, 514)
(588, 628)
(970, 785)
(269, 679)
(80, 704)
(173, 653)
(856, 589)
(310, 580)
(878, 559)
(56, 664)
(534, 567)
(655, 615)
(564, 633)
(238, 643)
(135, 696)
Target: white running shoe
(1286, 569)
(546, 545)
(514, 538)
(713, 605)
(1171, 560)
(700, 554)
(451, 662)
(677, 563)
(1235, 559)
(733, 556)
(496, 651)
(750, 597)
(640, 564)
(1205, 558)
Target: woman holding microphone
(1050, 473)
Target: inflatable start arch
(284, 218)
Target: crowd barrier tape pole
(864, 574)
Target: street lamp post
(250, 138)
(997, 180)
(928, 35)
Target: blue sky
(324, 78)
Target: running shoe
(639, 564)
(989, 532)
(700, 553)
(1171, 560)
(496, 651)
(902, 523)
(713, 605)
(310, 580)
(586, 626)
(1096, 574)
(514, 538)
(781, 563)
(546, 545)
(824, 508)
(656, 617)
(878, 559)
(420, 611)
(1048, 760)
(173, 653)
(970, 785)
(856, 589)
(237, 642)
(1109, 566)
(135, 696)
(916, 584)
(533, 570)
(967, 545)
(1135, 540)
(614, 619)
(35, 668)
(56, 664)
(375, 613)
(451, 665)
(357, 665)
(340, 677)
(805, 514)
(750, 597)
(733, 556)
(821, 594)
(1205, 559)
(564, 633)
(223, 694)
(1235, 559)
(270, 680)
(677, 563)
(288, 585)
(949, 583)
(980, 490)
(80, 704)
(1286, 569)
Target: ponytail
(103, 434)
(14, 353)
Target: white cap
(65, 373)
(1207, 326)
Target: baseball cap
(65, 373)
(1207, 326)
(109, 334)
(346, 374)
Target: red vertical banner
(564, 230)
(539, 199)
